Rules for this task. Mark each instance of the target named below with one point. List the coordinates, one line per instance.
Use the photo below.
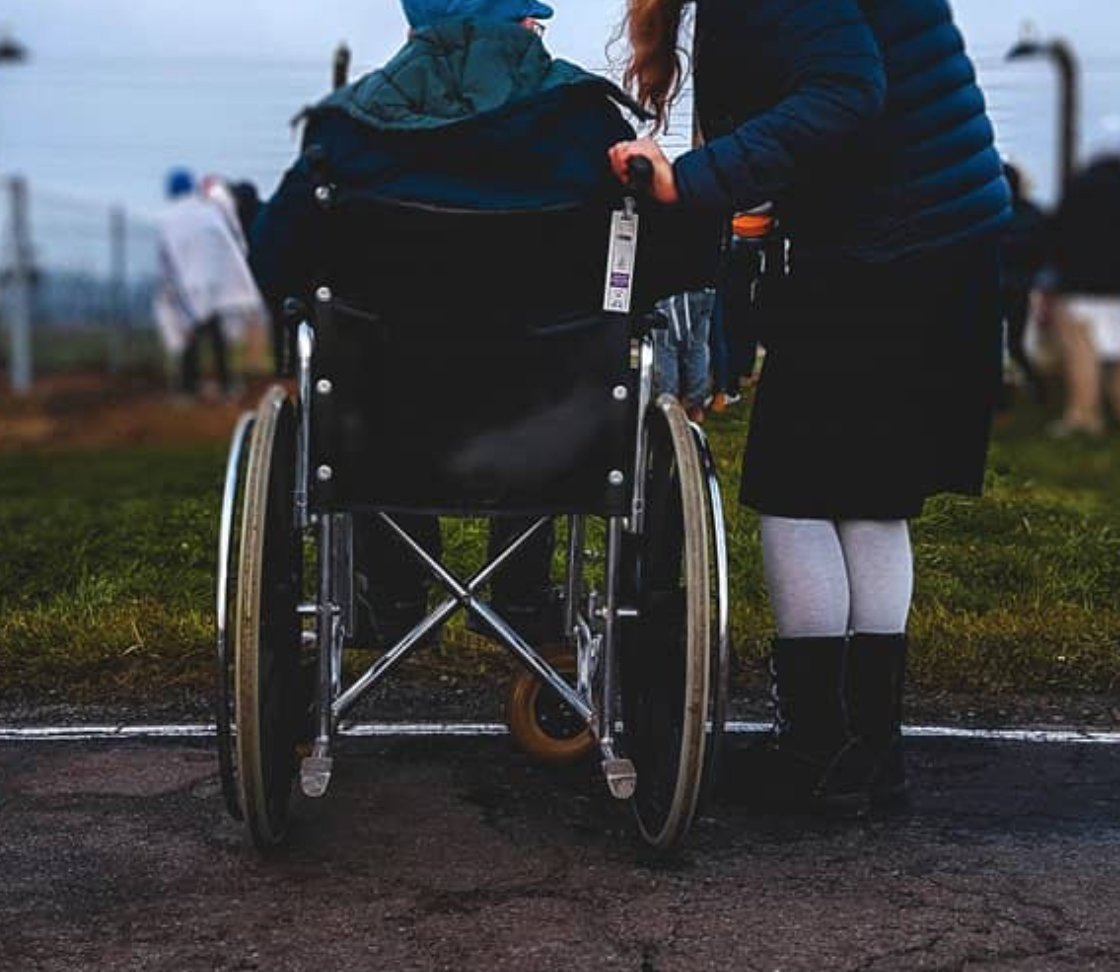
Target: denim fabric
(683, 355)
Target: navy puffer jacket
(862, 119)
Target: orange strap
(752, 225)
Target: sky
(119, 90)
(303, 28)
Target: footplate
(315, 775)
(622, 779)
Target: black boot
(875, 686)
(804, 765)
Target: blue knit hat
(421, 13)
(180, 182)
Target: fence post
(18, 282)
(118, 277)
(341, 73)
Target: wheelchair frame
(592, 619)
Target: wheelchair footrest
(622, 779)
(315, 775)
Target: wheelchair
(550, 417)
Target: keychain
(622, 260)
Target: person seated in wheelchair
(474, 113)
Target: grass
(107, 561)
(105, 577)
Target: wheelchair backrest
(471, 364)
(425, 269)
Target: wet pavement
(460, 854)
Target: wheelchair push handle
(639, 175)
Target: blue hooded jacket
(861, 119)
(424, 13)
(470, 114)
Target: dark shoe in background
(382, 620)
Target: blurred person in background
(217, 191)
(861, 120)
(248, 201)
(1083, 302)
(726, 379)
(682, 349)
(1023, 244)
(239, 205)
(206, 291)
(472, 113)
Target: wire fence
(76, 284)
(82, 272)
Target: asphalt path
(460, 854)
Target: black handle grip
(317, 164)
(295, 312)
(639, 174)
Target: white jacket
(204, 271)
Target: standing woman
(861, 120)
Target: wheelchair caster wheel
(541, 725)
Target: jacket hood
(457, 70)
(422, 13)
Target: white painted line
(98, 733)
(202, 731)
(422, 730)
(387, 730)
(1036, 736)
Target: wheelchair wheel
(271, 698)
(665, 659)
(227, 581)
(541, 724)
(720, 646)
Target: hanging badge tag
(621, 262)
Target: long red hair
(656, 69)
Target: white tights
(828, 579)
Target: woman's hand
(664, 184)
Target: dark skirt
(879, 385)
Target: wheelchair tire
(665, 661)
(226, 592)
(539, 723)
(721, 646)
(271, 697)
